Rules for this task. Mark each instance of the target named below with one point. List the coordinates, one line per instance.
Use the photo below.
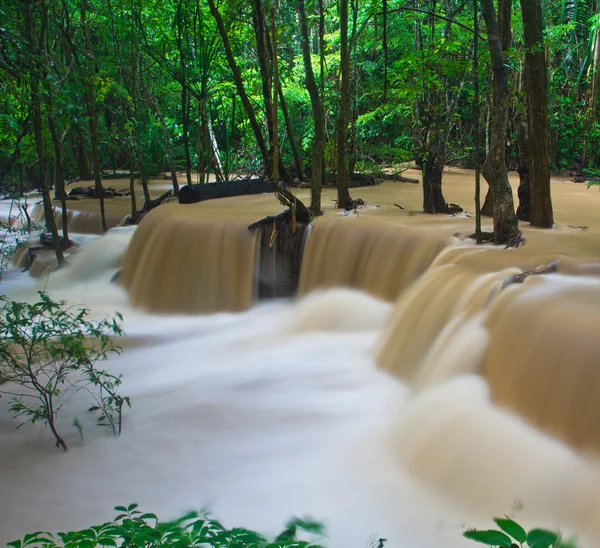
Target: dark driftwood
(399, 178)
(281, 240)
(191, 194)
(46, 241)
(542, 269)
(91, 192)
(148, 206)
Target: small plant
(511, 534)
(11, 239)
(134, 528)
(48, 351)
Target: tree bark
(344, 199)
(185, 95)
(274, 115)
(318, 114)
(494, 169)
(264, 62)
(537, 114)
(504, 24)
(91, 108)
(59, 179)
(168, 146)
(239, 83)
(433, 169)
(290, 133)
(34, 54)
(283, 194)
(524, 209)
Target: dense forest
(310, 90)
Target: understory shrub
(49, 350)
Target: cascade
(363, 253)
(433, 309)
(542, 358)
(177, 262)
(496, 402)
(84, 216)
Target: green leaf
(490, 537)
(540, 538)
(512, 528)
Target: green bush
(132, 528)
(512, 534)
(48, 351)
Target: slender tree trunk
(132, 183)
(537, 114)
(283, 194)
(290, 133)
(274, 116)
(35, 76)
(318, 150)
(591, 118)
(239, 84)
(83, 161)
(494, 169)
(168, 146)
(344, 199)
(91, 108)
(524, 209)
(185, 95)
(216, 157)
(59, 179)
(385, 50)
(264, 62)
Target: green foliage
(48, 351)
(132, 528)
(511, 533)
(10, 240)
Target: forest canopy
(317, 87)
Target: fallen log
(191, 194)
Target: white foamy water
(281, 411)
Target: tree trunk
(290, 133)
(185, 117)
(344, 199)
(283, 194)
(214, 152)
(494, 169)
(433, 169)
(239, 83)
(169, 148)
(91, 108)
(274, 115)
(504, 25)
(132, 184)
(34, 55)
(185, 94)
(83, 161)
(264, 62)
(318, 114)
(537, 114)
(385, 49)
(524, 209)
(59, 179)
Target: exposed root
(516, 241)
(549, 268)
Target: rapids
(405, 393)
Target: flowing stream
(405, 394)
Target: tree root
(549, 268)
